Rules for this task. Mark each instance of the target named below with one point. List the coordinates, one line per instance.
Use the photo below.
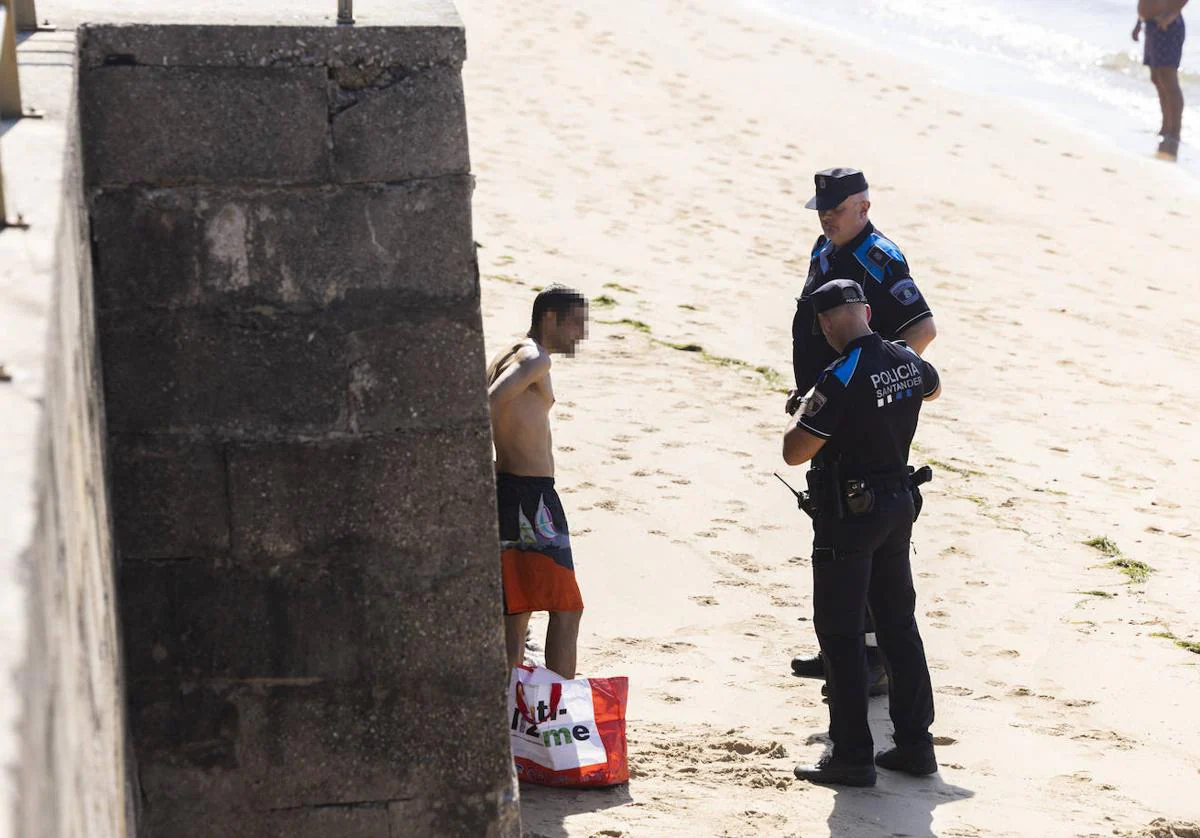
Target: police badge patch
(879, 257)
(813, 402)
(905, 291)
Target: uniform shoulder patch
(887, 246)
(876, 253)
(813, 402)
(843, 368)
(905, 291)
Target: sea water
(1074, 59)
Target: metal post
(345, 11)
(10, 82)
(3, 206)
(26, 11)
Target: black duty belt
(889, 483)
(893, 481)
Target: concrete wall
(62, 739)
(73, 758)
(288, 311)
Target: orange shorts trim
(535, 582)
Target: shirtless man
(535, 545)
(1165, 33)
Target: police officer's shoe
(878, 680)
(829, 771)
(917, 760)
(877, 677)
(808, 666)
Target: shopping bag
(568, 733)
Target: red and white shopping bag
(568, 733)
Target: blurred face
(845, 221)
(569, 329)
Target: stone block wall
(299, 450)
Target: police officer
(858, 422)
(851, 247)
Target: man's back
(867, 404)
(521, 422)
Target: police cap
(837, 292)
(835, 186)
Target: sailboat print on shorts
(541, 530)
(544, 522)
(527, 537)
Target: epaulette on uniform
(876, 253)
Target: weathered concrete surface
(395, 126)
(300, 248)
(271, 122)
(298, 432)
(425, 41)
(61, 740)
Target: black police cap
(835, 186)
(835, 293)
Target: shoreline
(994, 76)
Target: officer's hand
(1137, 30)
(793, 402)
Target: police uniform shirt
(866, 405)
(874, 262)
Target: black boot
(917, 760)
(811, 666)
(829, 771)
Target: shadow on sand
(544, 809)
(898, 806)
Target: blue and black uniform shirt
(874, 262)
(866, 404)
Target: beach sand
(659, 154)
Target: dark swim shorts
(1164, 47)
(535, 547)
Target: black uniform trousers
(861, 561)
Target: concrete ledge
(234, 375)
(151, 125)
(491, 815)
(413, 125)
(363, 820)
(349, 618)
(304, 248)
(414, 373)
(266, 375)
(366, 44)
(207, 746)
(385, 492)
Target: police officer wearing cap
(851, 247)
(858, 421)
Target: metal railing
(15, 15)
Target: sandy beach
(657, 156)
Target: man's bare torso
(521, 426)
(1160, 11)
